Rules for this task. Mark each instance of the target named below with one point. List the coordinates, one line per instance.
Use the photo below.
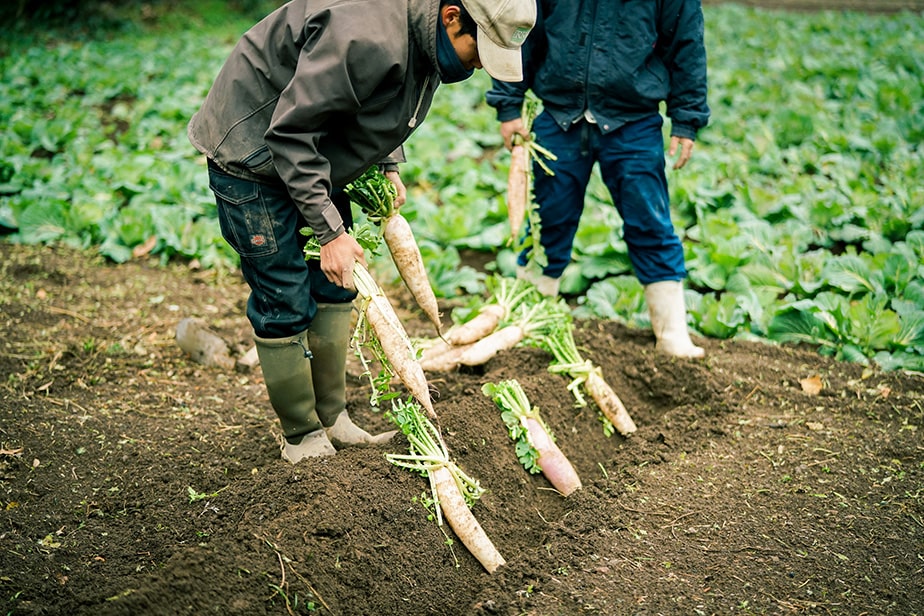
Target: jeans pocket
(242, 214)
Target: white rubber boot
(668, 314)
(345, 433)
(546, 285)
(313, 445)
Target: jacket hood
(423, 17)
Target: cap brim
(500, 63)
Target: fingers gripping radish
(399, 355)
(523, 152)
(375, 194)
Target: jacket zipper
(413, 121)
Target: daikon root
(400, 354)
(452, 489)
(535, 446)
(375, 195)
(406, 254)
(442, 357)
(518, 178)
(463, 522)
(609, 403)
(554, 464)
(488, 347)
(482, 324)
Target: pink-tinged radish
(375, 194)
(555, 465)
(535, 446)
(517, 189)
(452, 489)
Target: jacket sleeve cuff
(330, 218)
(684, 131)
(397, 156)
(508, 112)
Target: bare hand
(510, 128)
(686, 150)
(337, 259)
(395, 178)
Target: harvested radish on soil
(453, 490)
(560, 342)
(535, 445)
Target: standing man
(601, 69)
(311, 97)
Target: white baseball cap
(502, 28)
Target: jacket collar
(423, 17)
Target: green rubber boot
(287, 374)
(329, 340)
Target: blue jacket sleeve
(681, 46)
(506, 97)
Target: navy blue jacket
(617, 58)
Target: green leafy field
(802, 211)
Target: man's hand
(510, 128)
(686, 150)
(337, 259)
(395, 178)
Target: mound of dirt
(763, 479)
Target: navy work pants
(632, 162)
(261, 222)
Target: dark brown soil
(135, 481)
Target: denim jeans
(631, 163)
(261, 222)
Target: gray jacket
(317, 92)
